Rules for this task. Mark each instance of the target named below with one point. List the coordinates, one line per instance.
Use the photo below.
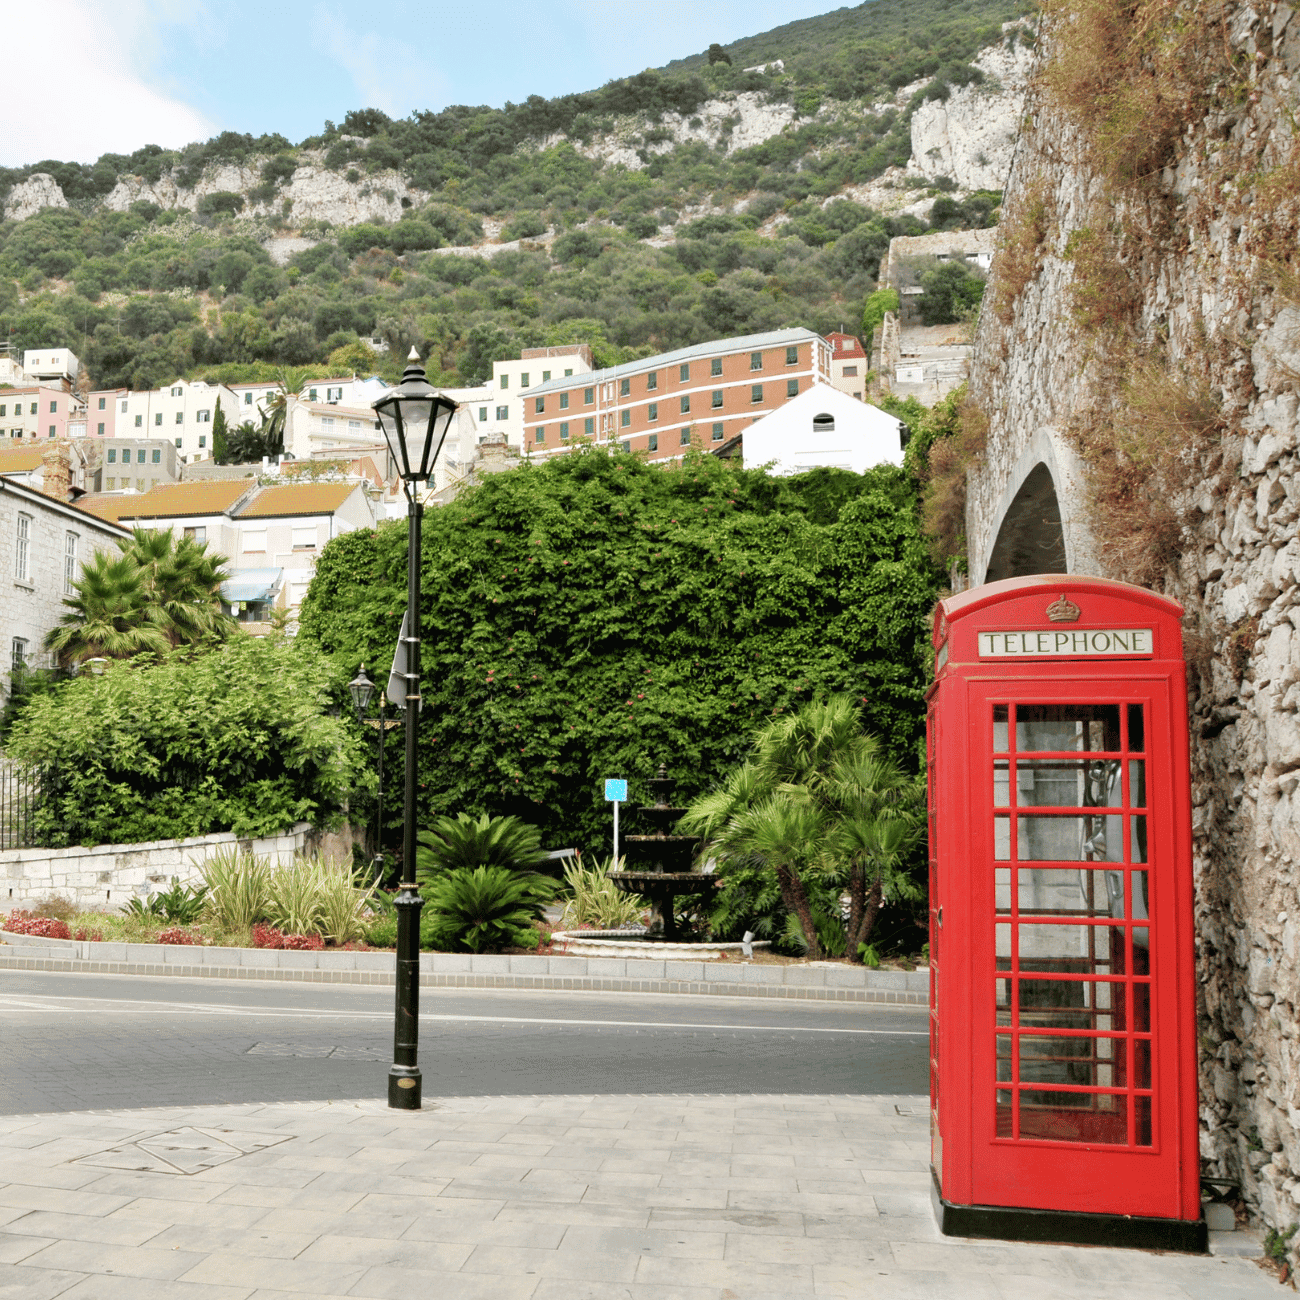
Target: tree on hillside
(952, 292)
(718, 55)
(220, 434)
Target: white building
(500, 412)
(183, 411)
(51, 365)
(824, 427)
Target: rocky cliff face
(1201, 274)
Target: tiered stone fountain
(662, 874)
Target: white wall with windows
(182, 412)
(43, 543)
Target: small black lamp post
(362, 688)
(415, 418)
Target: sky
(136, 72)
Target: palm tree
(108, 615)
(818, 798)
(289, 381)
(182, 585)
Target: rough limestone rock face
(313, 192)
(39, 190)
(1238, 567)
(970, 136)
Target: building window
(111, 484)
(684, 372)
(333, 394)
(792, 388)
(22, 555)
(255, 540)
(69, 562)
(625, 418)
(203, 417)
(626, 444)
(505, 381)
(99, 428)
(686, 404)
(539, 434)
(197, 534)
(717, 399)
(18, 654)
(353, 424)
(589, 425)
(54, 408)
(203, 440)
(851, 371)
(715, 366)
(157, 419)
(112, 455)
(178, 442)
(101, 406)
(482, 414)
(51, 433)
(564, 432)
(588, 396)
(792, 356)
(625, 388)
(139, 421)
(3, 409)
(503, 412)
(546, 376)
(180, 418)
(157, 455)
(178, 392)
(139, 485)
(652, 444)
(123, 408)
(652, 381)
(304, 537)
(139, 456)
(686, 437)
(717, 433)
(652, 411)
(756, 393)
(523, 379)
(568, 374)
(564, 401)
(248, 398)
(539, 405)
(756, 361)
(311, 394)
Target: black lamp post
(415, 418)
(362, 688)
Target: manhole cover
(318, 1051)
(182, 1150)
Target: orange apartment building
(703, 395)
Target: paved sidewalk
(524, 1198)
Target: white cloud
(388, 74)
(90, 95)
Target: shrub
(178, 935)
(222, 202)
(295, 896)
(486, 909)
(238, 887)
(462, 841)
(45, 927)
(596, 901)
(267, 936)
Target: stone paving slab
(535, 1198)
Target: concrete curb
(454, 970)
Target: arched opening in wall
(823, 423)
(1031, 539)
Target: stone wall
(1206, 305)
(107, 876)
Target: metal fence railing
(18, 796)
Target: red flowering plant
(44, 927)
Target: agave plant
(595, 900)
(464, 843)
(485, 909)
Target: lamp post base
(404, 1087)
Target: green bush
(463, 842)
(484, 910)
(236, 739)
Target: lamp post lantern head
(415, 418)
(361, 687)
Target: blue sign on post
(616, 791)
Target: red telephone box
(1062, 1004)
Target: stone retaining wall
(107, 876)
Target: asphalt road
(79, 1042)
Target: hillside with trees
(677, 241)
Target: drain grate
(318, 1051)
(182, 1150)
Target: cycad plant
(484, 910)
(820, 806)
(465, 842)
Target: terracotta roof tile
(18, 460)
(175, 500)
(298, 499)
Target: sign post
(615, 793)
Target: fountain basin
(633, 943)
